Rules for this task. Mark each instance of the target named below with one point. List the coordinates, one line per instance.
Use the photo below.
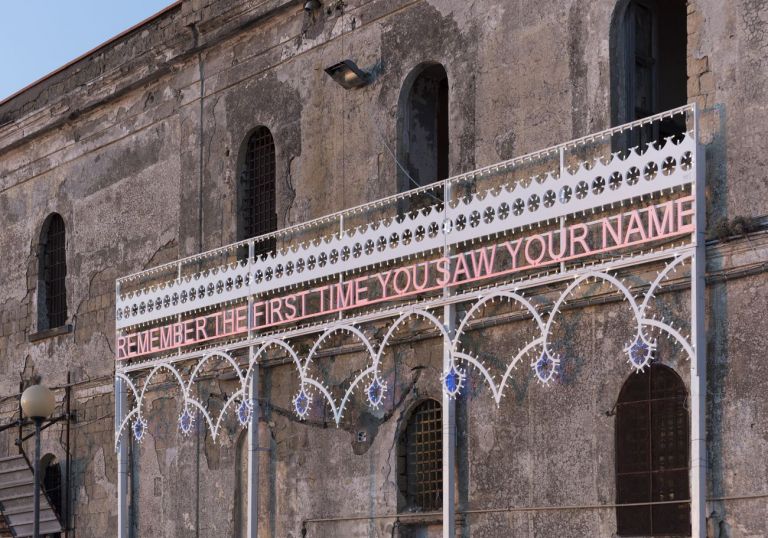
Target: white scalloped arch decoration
(313, 388)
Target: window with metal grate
(421, 458)
(257, 214)
(652, 434)
(52, 306)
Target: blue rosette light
(640, 352)
(244, 412)
(453, 381)
(185, 421)
(139, 429)
(375, 392)
(545, 367)
(301, 404)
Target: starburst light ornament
(301, 404)
(186, 420)
(545, 367)
(375, 392)
(453, 381)
(640, 352)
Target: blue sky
(39, 36)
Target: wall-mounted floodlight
(311, 5)
(348, 75)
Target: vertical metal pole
(698, 474)
(449, 407)
(253, 426)
(253, 456)
(122, 460)
(68, 482)
(36, 492)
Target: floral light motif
(375, 392)
(301, 404)
(186, 420)
(453, 381)
(640, 353)
(244, 412)
(139, 429)
(545, 367)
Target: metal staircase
(16, 499)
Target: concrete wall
(143, 171)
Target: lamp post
(37, 403)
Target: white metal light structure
(37, 403)
(348, 75)
(590, 181)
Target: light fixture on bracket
(348, 75)
(311, 5)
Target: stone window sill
(50, 333)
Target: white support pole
(253, 424)
(122, 459)
(253, 455)
(449, 406)
(449, 436)
(698, 473)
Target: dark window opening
(423, 141)
(652, 73)
(52, 290)
(420, 459)
(53, 487)
(652, 444)
(257, 213)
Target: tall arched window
(420, 458)
(52, 273)
(652, 445)
(423, 125)
(649, 62)
(256, 200)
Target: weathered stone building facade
(139, 146)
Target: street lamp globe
(37, 402)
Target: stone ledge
(50, 333)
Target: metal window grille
(652, 434)
(257, 203)
(423, 444)
(55, 272)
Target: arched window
(256, 200)
(420, 458)
(52, 273)
(649, 64)
(423, 126)
(652, 444)
(53, 486)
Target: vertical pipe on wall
(698, 473)
(122, 460)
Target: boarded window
(52, 300)
(652, 443)
(257, 213)
(420, 458)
